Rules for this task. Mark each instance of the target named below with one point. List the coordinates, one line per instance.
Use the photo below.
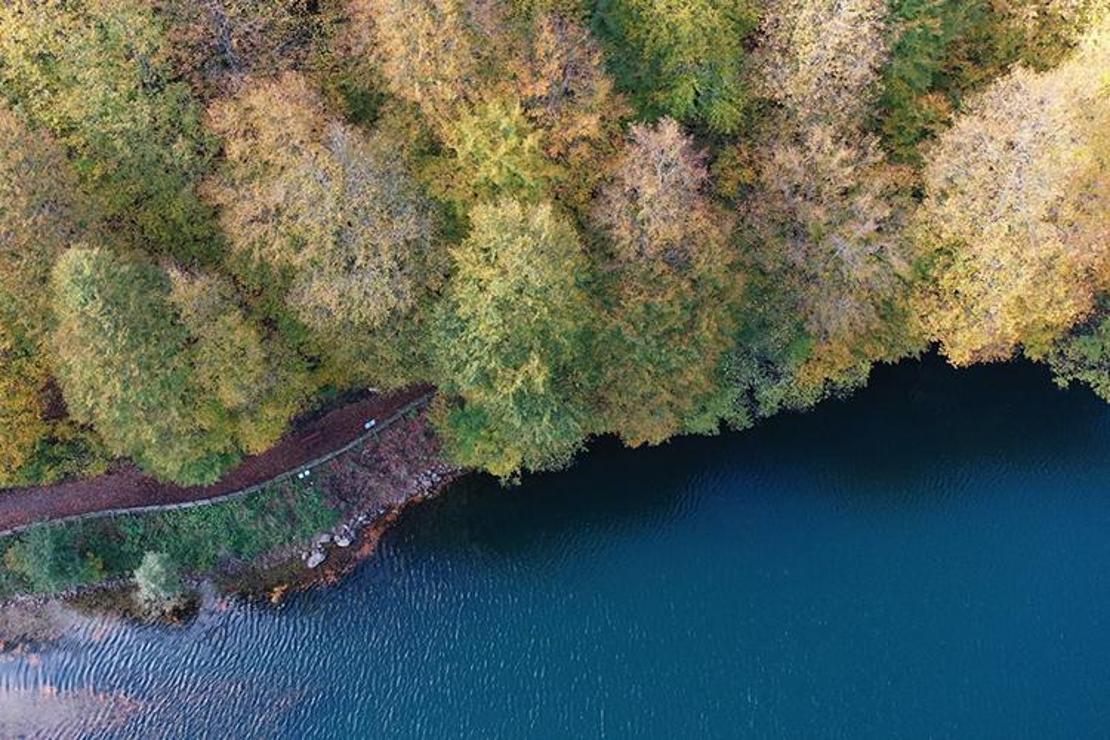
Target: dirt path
(129, 488)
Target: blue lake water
(930, 558)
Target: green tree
(95, 73)
(1083, 356)
(683, 58)
(122, 358)
(512, 340)
(50, 560)
(765, 370)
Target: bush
(49, 559)
(158, 584)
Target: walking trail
(131, 489)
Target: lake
(929, 558)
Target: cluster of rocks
(346, 533)
(428, 480)
(341, 536)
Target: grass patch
(53, 557)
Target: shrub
(158, 586)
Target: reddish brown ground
(371, 484)
(128, 488)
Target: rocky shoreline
(364, 524)
(333, 554)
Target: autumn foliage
(632, 217)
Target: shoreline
(367, 488)
(279, 577)
(340, 561)
(42, 619)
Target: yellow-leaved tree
(333, 214)
(97, 74)
(511, 341)
(1017, 213)
(41, 213)
(250, 381)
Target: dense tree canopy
(122, 357)
(825, 207)
(437, 54)
(251, 389)
(683, 58)
(216, 43)
(95, 73)
(24, 374)
(945, 49)
(318, 198)
(573, 217)
(41, 213)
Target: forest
(642, 218)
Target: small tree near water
(159, 585)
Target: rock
(317, 557)
(323, 539)
(343, 541)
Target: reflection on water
(44, 711)
(931, 557)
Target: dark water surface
(928, 558)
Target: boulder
(317, 557)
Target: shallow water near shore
(930, 557)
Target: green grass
(53, 557)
